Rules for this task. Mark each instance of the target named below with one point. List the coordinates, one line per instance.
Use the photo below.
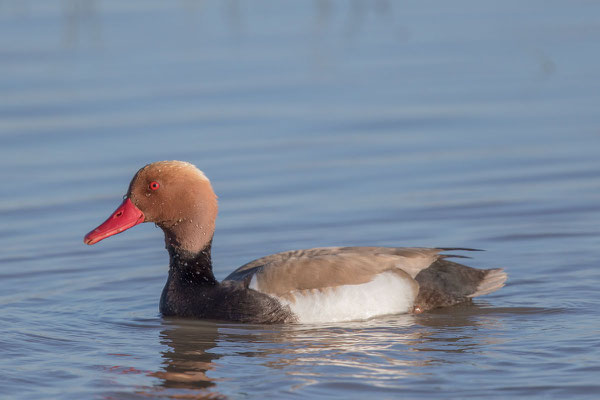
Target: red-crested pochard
(315, 285)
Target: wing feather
(283, 273)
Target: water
(319, 123)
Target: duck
(317, 285)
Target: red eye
(154, 185)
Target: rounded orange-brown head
(176, 196)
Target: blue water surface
(320, 123)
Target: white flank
(387, 293)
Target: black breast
(229, 301)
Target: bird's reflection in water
(388, 349)
(187, 359)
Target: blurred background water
(390, 123)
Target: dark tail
(445, 283)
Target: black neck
(191, 268)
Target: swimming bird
(326, 284)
